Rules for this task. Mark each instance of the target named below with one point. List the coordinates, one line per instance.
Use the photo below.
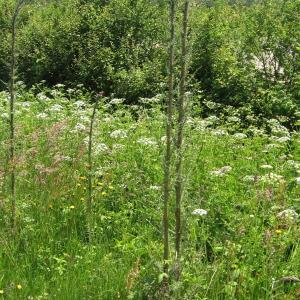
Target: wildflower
(5, 116)
(283, 139)
(266, 167)
(110, 187)
(293, 164)
(84, 119)
(212, 119)
(272, 178)
(1, 292)
(219, 132)
(234, 119)
(271, 146)
(100, 148)
(153, 100)
(155, 187)
(250, 178)
(163, 139)
(79, 104)
(56, 108)
(199, 212)
(257, 132)
(41, 116)
(146, 141)
(79, 127)
(119, 133)
(278, 231)
(78, 185)
(220, 172)
(59, 85)
(117, 147)
(42, 97)
(116, 101)
(240, 135)
(71, 206)
(25, 104)
(104, 193)
(82, 178)
(288, 214)
(19, 286)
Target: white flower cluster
(155, 187)
(23, 104)
(118, 134)
(294, 164)
(56, 108)
(282, 139)
(79, 104)
(272, 179)
(250, 178)
(219, 132)
(199, 212)
(277, 129)
(234, 119)
(266, 167)
(240, 136)
(221, 172)
(288, 214)
(100, 148)
(117, 101)
(42, 97)
(155, 99)
(117, 147)
(79, 127)
(147, 141)
(41, 116)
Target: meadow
(241, 205)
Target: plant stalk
(179, 140)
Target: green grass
(239, 250)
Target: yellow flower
(19, 286)
(110, 187)
(82, 177)
(278, 231)
(78, 185)
(1, 292)
(71, 206)
(103, 193)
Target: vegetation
(149, 149)
(245, 54)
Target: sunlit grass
(241, 249)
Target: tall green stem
(169, 126)
(179, 140)
(12, 115)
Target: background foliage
(245, 54)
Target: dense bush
(249, 55)
(242, 54)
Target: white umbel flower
(288, 214)
(119, 133)
(199, 212)
(221, 172)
